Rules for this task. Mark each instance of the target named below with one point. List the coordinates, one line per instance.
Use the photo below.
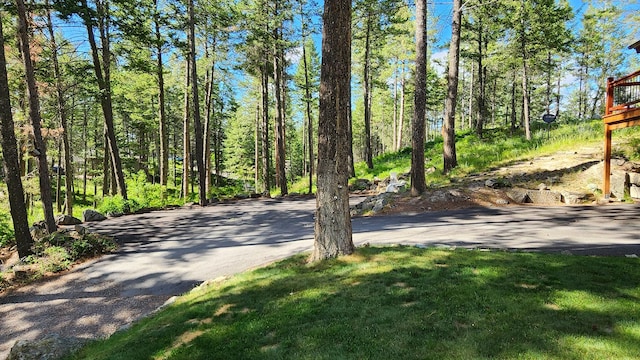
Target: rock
(543, 186)
(593, 187)
(523, 196)
(545, 197)
(574, 198)
(81, 230)
(430, 170)
(52, 347)
(360, 184)
(92, 215)
(634, 191)
(519, 196)
(634, 178)
(490, 183)
(502, 202)
(67, 220)
(619, 184)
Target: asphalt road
(167, 253)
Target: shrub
(7, 236)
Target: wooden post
(609, 100)
(607, 162)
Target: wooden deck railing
(623, 94)
(622, 110)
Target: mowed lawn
(401, 303)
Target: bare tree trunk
(449, 134)
(104, 85)
(525, 80)
(196, 109)
(186, 135)
(208, 118)
(256, 149)
(333, 233)
(395, 107)
(266, 163)
(418, 184)
(366, 80)
(281, 176)
(11, 162)
(162, 120)
(307, 92)
(40, 151)
(62, 111)
(402, 107)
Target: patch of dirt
(578, 171)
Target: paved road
(168, 252)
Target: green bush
(7, 236)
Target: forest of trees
(184, 94)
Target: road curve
(166, 253)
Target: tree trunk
(525, 78)
(11, 162)
(402, 107)
(162, 120)
(62, 111)
(482, 101)
(281, 176)
(333, 233)
(208, 118)
(186, 134)
(266, 163)
(307, 92)
(418, 184)
(197, 124)
(103, 80)
(40, 151)
(368, 153)
(449, 153)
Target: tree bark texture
(366, 81)
(40, 151)
(449, 133)
(278, 77)
(418, 185)
(11, 162)
(333, 232)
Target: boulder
(52, 347)
(634, 178)
(67, 220)
(92, 215)
(619, 184)
(519, 196)
(634, 191)
(575, 198)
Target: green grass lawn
(401, 303)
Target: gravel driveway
(166, 253)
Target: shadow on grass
(402, 303)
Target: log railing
(622, 110)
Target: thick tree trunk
(11, 162)
(418, 184)
(449, 153)
(208, 118)
(40, 151)
(333, 233)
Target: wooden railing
(623, 94)
(622, 110)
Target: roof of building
(636, 46)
